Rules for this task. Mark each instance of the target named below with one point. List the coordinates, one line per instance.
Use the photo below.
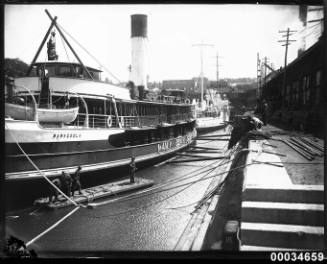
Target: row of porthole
(66, 135)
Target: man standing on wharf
(66, 183)
(133, 169)
(76, 185)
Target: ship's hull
(58, 149)
(207, 124)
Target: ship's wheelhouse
(64, 69)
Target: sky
(238, 33)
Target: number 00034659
(296, 256)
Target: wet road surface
(152, 220)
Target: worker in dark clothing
(76, 184)
(54, 191)
(246, 127)
(66, 183)
(241, 126)
(258, 109)
(51, 45)
(264, 111)
(132, 170)
(261, 110)
(67, 100)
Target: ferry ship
(61, 115)
(214, 116)
(213, 113)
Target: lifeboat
(21, 112)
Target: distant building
(296, 95)
(192, 87)
(154, 85)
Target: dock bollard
(230, 239)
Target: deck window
(50, 68)
(318, 78)
(64, 71)
(307, 89)
(79, 71)
(95, 75)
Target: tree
(15, 67)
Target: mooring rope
(45, 177)
(148, 191)
(39, 171)
(204, 197)
(51, 227)
(188, 184)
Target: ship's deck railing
(207, 114)
(106, 121)
(167, 99)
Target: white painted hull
(206, 122)
(31, 132)
(65, 148)
(29, 175)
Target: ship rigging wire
(188, 184)
(39, 171)
(62, 41)
(211, 170)
(88, 53)
(147, 191)
(53, 185)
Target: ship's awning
(64, 63)
(167, 125)
(126, 101)
(140, 128)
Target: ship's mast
(217, 71)
(54, 24)
(201, 45)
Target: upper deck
(64, 69)
(72, 78)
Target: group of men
(67, 184)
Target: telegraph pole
(217, 73)
(201, 45)
(265, 63)
(286, 44)
(286, 41)
(258, 75)
(217, 68)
